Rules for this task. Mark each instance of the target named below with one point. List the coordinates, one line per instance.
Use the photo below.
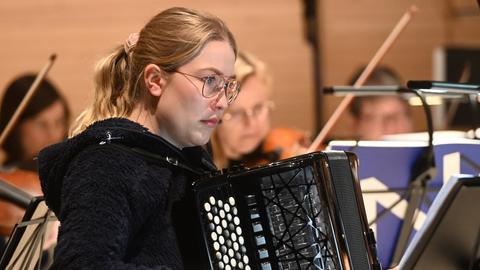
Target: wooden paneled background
(80, 32)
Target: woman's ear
(154, 81)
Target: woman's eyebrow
(218, 72)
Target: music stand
(449, 239)
(25, 245)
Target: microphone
(437, 87)
(367, 90)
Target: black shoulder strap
(169, 161)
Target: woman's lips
(212, 122)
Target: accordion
(301, 213)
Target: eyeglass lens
(214, 84)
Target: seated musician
(247, 121)
(246, 125)
(112, 184)
(44, 121)
(376, 116)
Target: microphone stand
(423, 171)
(426, 163)
(424, 168)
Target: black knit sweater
(113, 194)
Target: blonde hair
(170, 39)
(246, 66)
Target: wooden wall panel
(80, 32)
(351, 31)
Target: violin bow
(21, 107)
(347, 100)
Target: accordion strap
(165, 160)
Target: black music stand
(25, 245)
(450, 237)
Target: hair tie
(131, 42)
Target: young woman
(247, 122)
(112, 184)
(245, 135)
(43, 122)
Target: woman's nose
(220, 102)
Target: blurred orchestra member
(376, 116)
(246, 122)
(43, 122)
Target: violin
(280, 143)
(287, 142)
(12, 213)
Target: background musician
(158, 98)
(44, 121)
(245, 134)
(375, 116)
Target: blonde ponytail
(111, 98)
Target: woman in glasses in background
(245, 135)
(132, 152)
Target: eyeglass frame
(224, 85)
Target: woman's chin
(247, 149)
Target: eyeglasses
(260, 110)
(214, 84)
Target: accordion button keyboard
(257, 227)
(260, 240)
(266, 266)
(263, 253)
